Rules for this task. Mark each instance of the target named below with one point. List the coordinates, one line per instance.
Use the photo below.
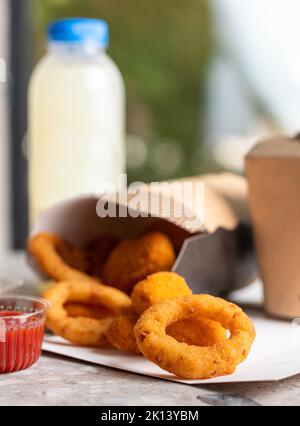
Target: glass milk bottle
(76, 116)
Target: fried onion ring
(197, 332)
(57, 258)
(188, 361)
(88, 311)
(83, 331)
(156, 288)
(133, 260)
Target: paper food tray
(274, 357)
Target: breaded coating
(197, 332)
(190, 361)
(133, 260)
(156, 288)
(163, 286)
(81, 330)
(85, 310)
(58, 259)
(120, 333)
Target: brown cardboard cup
(273, 169)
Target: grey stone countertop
(60, 381)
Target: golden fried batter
(168, 285)
(197, 332)
(76, 310)
(176, 234)
(57, 258)
(189, 361)
(83, 331)
(156, 288)
(133, 260)
(120, 333)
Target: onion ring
(49, 251)
(168, 285)
(156, 288)
(83, 331)
(133, 260)
(188, 361)
(76, 310)
(198, 332)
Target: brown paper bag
(214, 244)
(273, 169)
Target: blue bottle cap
(79, 30)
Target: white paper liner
(275, 356)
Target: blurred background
(204, 79)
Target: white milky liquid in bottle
(76, 116)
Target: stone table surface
(59, 381)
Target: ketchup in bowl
(22, 328)
(10, 314)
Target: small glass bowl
(22, 329)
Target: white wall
(262, 39)
(4, 129)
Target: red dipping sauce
(10, 314)
(22, 328)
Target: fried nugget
(133, 260)
(120, 333)
(176, 234)
(156, 288)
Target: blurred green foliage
(162, 48)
